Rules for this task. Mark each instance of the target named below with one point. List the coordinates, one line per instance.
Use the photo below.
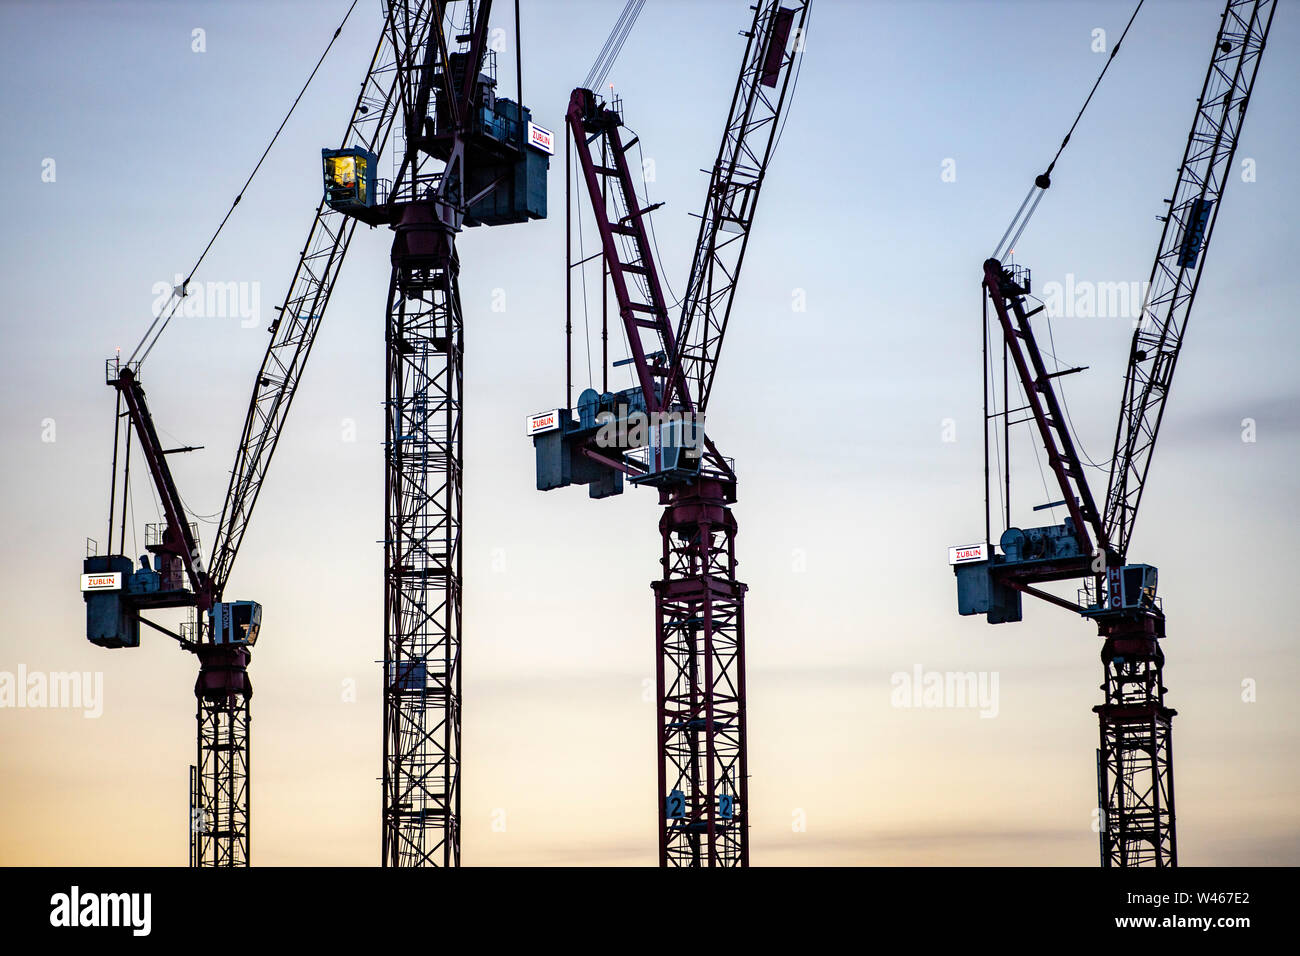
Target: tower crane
(223, 633)
(652, 435)
(469, 157)
(1135, 775)
(422, 61)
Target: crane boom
(293, 331)
(675, 369)
(178, 537)
(632, 267)
(1176, 272)
(752, 128)
(1006, 288)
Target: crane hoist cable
(1042, 473)
(991, 402)
(178, 294)
(582, 272)
(654, 239)
(1044, 179)
(613, 44)
(1065, 407)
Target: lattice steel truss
(751, 132)
(423, 431)
(700, 647)
(1176, 272)
(293, 330)
(422, 548)
(1135, 769)
(219, 783)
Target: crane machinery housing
(652, 435)
(466, 157)
(1135, 776)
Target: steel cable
(175, 300)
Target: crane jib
(753, 126)
(1175, 274)
(294, 330)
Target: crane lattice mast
(470, 157)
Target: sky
(848, 394)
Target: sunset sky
(837, 415)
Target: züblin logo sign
(75, 908)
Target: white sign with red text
(104, 581)
(541, 138)
(969, 552)
(544, 422)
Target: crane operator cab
(349, 178)
(235, 622)
(505, 161)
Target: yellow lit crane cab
(349, 178)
